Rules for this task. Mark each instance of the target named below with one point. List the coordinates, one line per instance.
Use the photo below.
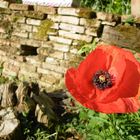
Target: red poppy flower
(107, 81)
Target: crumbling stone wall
(39, 43)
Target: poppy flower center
(102, 80)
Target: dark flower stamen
(102, 80)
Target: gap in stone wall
(28, 50)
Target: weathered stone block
(90, 22)
(72, 28)
(2, 30)
(4, 42)
(28, 68)
(123, 36)
(44, 9)
(42, 71)
(35, 28)
(72, 57)
(46, 71)
(21, 34)
(10, 124)
(3, 59)
(20, 20)
(33, 14)
(3, 36)
(53, 32)
(11, 67)
(8, 72)
(55, 26)
(54, 68)
(49, 78)
(36, 37)
(44, 51)
(74, 50)
(26, 27)
(9, 49)
(70, 35)
(2, 53)
(79, 12)
(33, 21)
(31, 42)
(47, 86)
(34, 60)
(61, 47)
(4, 4)
(4, 11)
(65, 63)
(52, 60)
(60, 40)
(107, 17)
(20, 7)
(32, 36)
(48, 44)
(15, 44)
(13, 62)
(65, 19)
(109, 23)
(57, 54)
(28, 76)
(19, 58)
(92, 31)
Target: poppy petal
(122, 97)
(122, 105)
(95, 61)
(116, 69)
(86, 70)
(130, 83)
(129, 56)
(72, 85)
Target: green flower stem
(112, 120)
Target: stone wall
(39, 43)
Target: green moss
(130, 20)
(87, 48)
(15, 18)
(33, 14)
(130, 34)
(78, 43)
(86, 12)
(5, 11)
(44, 28)
(125, 30)
(7, 26)
(137, 49)
(75, 60)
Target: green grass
(109, 6)
(80, 123)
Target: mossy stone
(34, 14)
(44, 28)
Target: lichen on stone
(44, 28)
(88, 13)
(7, 26)
(34, 14)
(5, 11)
(15, 18)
